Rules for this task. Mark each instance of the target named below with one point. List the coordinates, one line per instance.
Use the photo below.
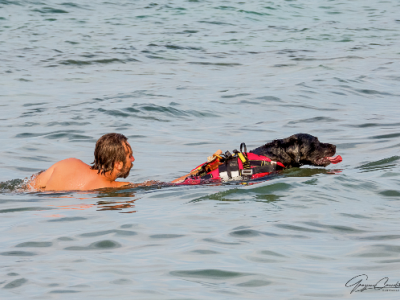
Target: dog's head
(306, 149)
(299, 149)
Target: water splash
(14, 185)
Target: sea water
(182, 79)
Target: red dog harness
(238, 167)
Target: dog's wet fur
(298, 150)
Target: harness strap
(229, 170)
(258, 163)
(243, 156)
(264, 169)
(236, 167)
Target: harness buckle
(247, 172)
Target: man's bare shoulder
(61, 171)
(70, 162)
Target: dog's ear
(294, 152)
(276, 150)
(293, 146)
(287, 151)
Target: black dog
(294, 151)
(299, 149)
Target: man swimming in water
(112, 159)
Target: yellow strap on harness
(242, 158)
(245, 160)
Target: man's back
(72, 174)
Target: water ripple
(35, 244)
(17, 253)
(209, 274)
(100, 245)
(105, 232)
(72, 62)
(297, 228)
(15, 283)
(380, 165)
(50, 10)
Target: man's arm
(184, 177)
(194, 172)
(130, 184)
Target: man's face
(128, 162)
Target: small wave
(136, 94)
(390, 193)
(254, 283)
(216, 23)
(72, 135)
(15, 283)
(171, 111)
(73, 62)
(33, 111)
(34, 244)
(356, 216)
(187, 31)
(251, 12)
(386, 237)
(34, 104)
(118, 113)
(22, 209)
(236, 95)
(64, 292)
(383, 164)
(161, 57)
(214, 64)
(259, 193)
(291, 51)
(12, 185)
(150, 111)
(177, 47)
(248, 233)
(224, 7)
(337, 228)
(326, 59)
(386, 136)
(17, 253)
(220, 242)
(204, 252)
(71, 4)
(373, 92)
(69, 123)
(50, 10)
(269, 98)
(314, 120)
(105, 232)
(366, 125)
(100, 245)
(166, 236)
(309, 107)
(68, 219)
(297, 228)
(144, 16)
(209, 274)
(283, 65)
(7, 2)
